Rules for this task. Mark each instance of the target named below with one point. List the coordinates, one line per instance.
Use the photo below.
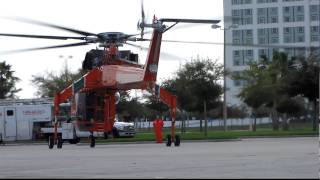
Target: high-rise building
(267, 23)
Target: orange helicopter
(110, 70)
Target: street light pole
(66, 65)
(224, 82)
(224, 108)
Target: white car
(123, 129)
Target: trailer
(22, 119)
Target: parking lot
(248, 158)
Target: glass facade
(314, 12)
(266, 1)
(236, 2)
(242, 36)
(242, 16)
(293, 34)
(293, 13)
(267, 15)
(268, 36)
(242, 57)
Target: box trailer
(22, 119)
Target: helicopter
(94, 96)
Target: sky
(98, 16)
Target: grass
(216, 134)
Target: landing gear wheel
(74, 141)
(60, 142)
(176, 140)
(105, 135)
(115, 132)
(50, 142)
(169, 140)
(92, 141)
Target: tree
(154, 103)
(288, 107)
(50, 83)
(276, 83)
(253, 93)
(265, 83)
(129, 108)
(197, 86)
(303, 80)
(7, 82)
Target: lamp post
(224, 68)
(66, 65)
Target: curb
(288, 136)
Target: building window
(300, 9)
(300, 18)
(261, 41)
(286, 19)
(275, 40)
(286, 9)
(287, 40)
(262, 20)
(235, 13)
(236, 41)
(248, 12)
(274, 30)
(249, 32)
(301, 39)
(314, 18)
(274, 19)
(242, 16)
(315, 29)
(236, 2)
(300, 29)
(286, 30)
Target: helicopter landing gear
(92, 141)
(50, 142)
(59, 142)
(176, 141)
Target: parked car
(123, 129)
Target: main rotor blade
(164, 55)
(43, 48)
(52, 26)
(137, 46)
(190, 20)
(43, 36)
(231, 44)
(142, 12)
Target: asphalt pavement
(248, 158)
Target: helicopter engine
(94, 58)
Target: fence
(211, 123)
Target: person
(158, 125)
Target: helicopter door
(10, 124)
